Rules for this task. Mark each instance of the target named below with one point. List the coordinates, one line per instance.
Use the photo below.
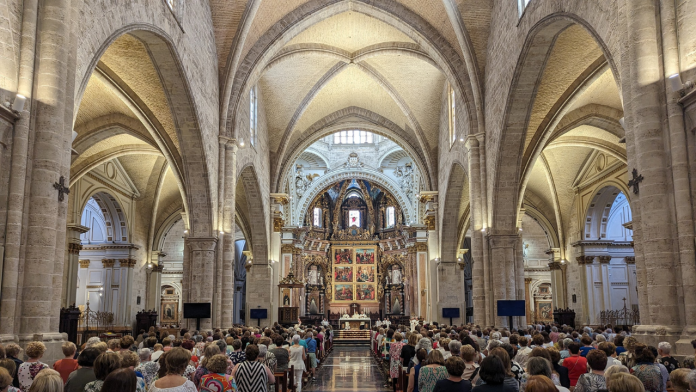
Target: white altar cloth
(348, 319)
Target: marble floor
(348, 369)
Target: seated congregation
(238, 359)
(545, 358)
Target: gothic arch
(193, 166)
(369, 121)
(508, 171)
(258, 221)
(298, 214)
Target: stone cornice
(110, 247)
(8, 114)
(612, 243)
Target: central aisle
(348, 368)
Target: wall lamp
(18, 104)
(676, 85)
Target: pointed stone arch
(452, 212)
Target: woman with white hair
(297, 359)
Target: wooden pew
(281, 380)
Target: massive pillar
(201, 267)
(228, 228)
(662, 318)
(477, 240)
(503, 248)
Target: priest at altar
(355, 321)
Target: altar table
(354, 322)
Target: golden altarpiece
(353, 255)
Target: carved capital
(278, 224)
(604, 259)
(630, 259)
(429, 222)
(202, 243)
(158, 268)
(128, 263)
(84, 263)
(74, 248)
(585, 259)
(421, 247)
(527, 280)
(108, 263)
(290, 248)
(555, 265)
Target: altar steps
(357, 337)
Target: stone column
(71, 265)
(557, 281)
(45, 222)
(646, 121)
(125, 291)
(477, 244)
(528, 299)
(606, 282)
(108, 270)
(228, 227)
(503, 263)
(258, 296)
(587, 279)
(11, 301)
(202, 267)
(154, 281)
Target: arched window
(253, 115)
(353, 137)
(317, 217)
(451, 105)
(390, 218)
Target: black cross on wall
(61, 188)
(635, 181)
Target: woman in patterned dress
(251, 375)
(29, 369)
(433, 372)
(395, 361)
(593, 381)
(647, 371)
(217, 380)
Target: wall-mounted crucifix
(62, 189)
(635, 181)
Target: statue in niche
(405, 175)
(313, 275)
(396, 275)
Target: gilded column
(528, 299)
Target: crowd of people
(238, 359)
(543, 358)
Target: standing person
(576, 364)
(433, 372)
(48, 380)
(281, 354)
(29, 369)
(176, 361)
(217, 380)
(12, 351)
(120, 380)
(297, 359)
(66, 365)
(85, 374)
(251, 375)
(395, 361)
(594, 380)
(311, 353)
(414, 373)
(453, 383)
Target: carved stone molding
(84, 263)
(108, 263)
(201, 243)
(630, 259)
(604, 259)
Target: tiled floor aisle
(348, 369)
